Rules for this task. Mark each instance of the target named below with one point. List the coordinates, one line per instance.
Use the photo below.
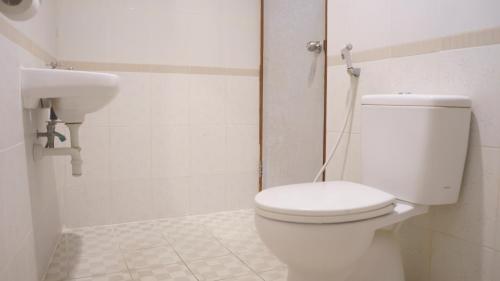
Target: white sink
(72, 93)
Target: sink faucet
(51, 133)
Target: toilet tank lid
(417, 100)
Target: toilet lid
(324, 202)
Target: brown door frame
(261, 91)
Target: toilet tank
(415, 146)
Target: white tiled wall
(174, 32)
(452, 243)
(29, 214)
(169, 144)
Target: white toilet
(413, 154)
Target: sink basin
(72, 93)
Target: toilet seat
(324, 202)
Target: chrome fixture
(57, 65)
(51, 133)
(346, 56)
(314, 46)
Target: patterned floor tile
(176, 230)
(150, 257)
(140, 235)
(251, 277)
(58, 268)
(122, 276)
(243, 242)
(275, 275)
(173, 272)
(195, 249)
(260, 261)
(100, 233)
(88, 266)
(151, 250)
(218, 268)
(75, 245)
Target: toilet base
(382, 261)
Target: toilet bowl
(413, 150)
(322, 230)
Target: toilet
(413, 154)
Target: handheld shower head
(346, 56)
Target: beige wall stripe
(23, 41)
(152, 68)
(465, 40)
(18, 38)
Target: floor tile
(85, 246)
(88, 266)
(275, 275)
(150, 257)
(195, 249)
(173, 272)
(58, 268)
(122, 276)
(243, 242)
(179, 229)
(138, 235)
(158, 251)
(218, 268)
(251, 277)
(260, 261)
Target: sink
(72, 94)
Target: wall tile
(203, 34)
(16, 220)
(415, 74)
(127, 31)
(87, 203)
(170, 197)
(170, 152)
(23, 264)
(167, 29)
(77, 35)
(242, 148)
(42, 27)
(163, 129)
(206, 99)
(346, 164)
(208, 148)
(416, 251)
(472, 72)
(207, 193)
(368, 24)
(240, 36)
(131, 200)
(462, 16)
(130, 152)
(241, 189)
(422, 18)
(473, 217)
(169, 99)
(132, 106)
(10, 100)
(242, 100)
(455, 259)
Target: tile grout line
(234, 254)
(178, 255)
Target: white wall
(170, 144)
(29, 214)
(458, 242)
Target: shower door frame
(261, 92)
